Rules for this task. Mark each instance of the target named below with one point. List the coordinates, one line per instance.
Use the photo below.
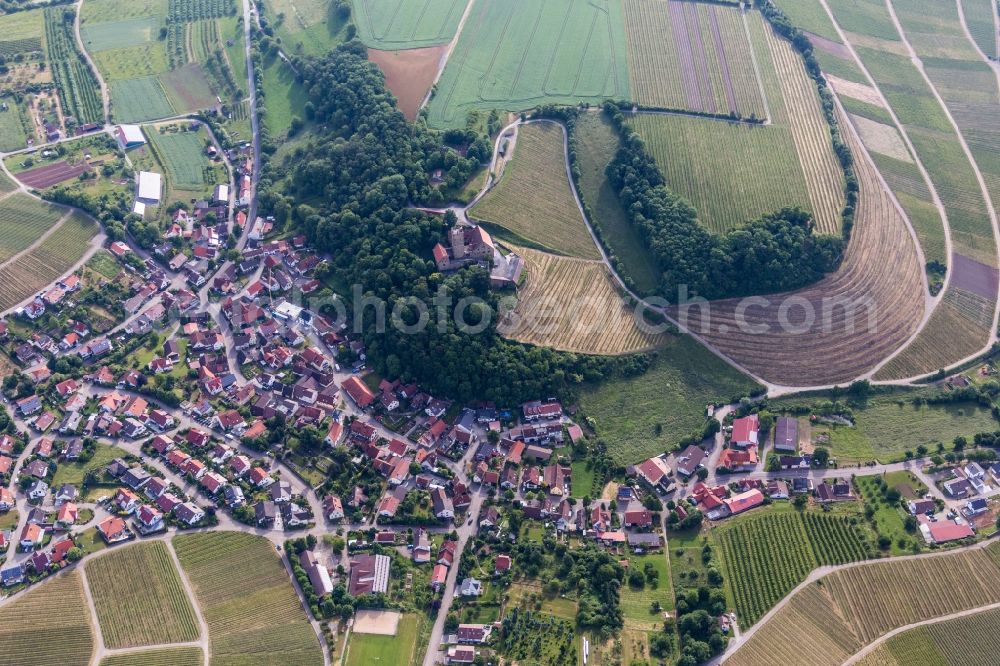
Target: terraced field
(826, 622)
(517, 54)
(833, 347)
(534, 199)
(50, 623)
(694, 56)
(253, 614)
(139, 598)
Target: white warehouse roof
(149, 187)
(130, 135)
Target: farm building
(745, 431)
(786, 434)
(945, 531)
(149, 187)
(129, 136)
(221, 194)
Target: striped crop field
(572, 305)
(23, 220)
(518, 54)
(182, 656)
(979, 17)
(404, 24)
(48, 625)
(53, 258)
(886, 306)
(767, 554)
(534, 199)
(966, 641)
(139, 597)
(253, 614)
(833, 618)
(693, 56)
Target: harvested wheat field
(409, 74)
(572, 305)
(890, 304)
(534, 199)
(829, 620)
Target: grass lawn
(8, 520)
(583, 480)
(636, 602)
(888, 518)
(644, 416)
(12, 134)
(285, 96)
(90, 541)
(74, 472)
(365, 649)
(684, 552)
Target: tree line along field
(78, 87)
(643, 416)
(694, 56)
(767, 554)
(139, 597)
(573, 305)
(534, 199)
(23, 220)
(247, 600)
(968, 641)
(182, 656)
(888, 305)
(53, 258)
(49, 624)
(406, 24)
(518, 54)
(829, 620)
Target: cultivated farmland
(969, 641)
(651, 413)
(694, 56)
(409, 74)
(22, 221)
(767, 554)
(120, 34)
(21, 33)
(139, 99)
(573, 305)
(979, 17)
(182, 154)
(888, 305)
(184, 656)
(405, 24)
(53, 258)
(78, 87)
(829, 620)
(50, 623)
(534, 197)
(139, 597)
(311, 27)
(517, 54)
(253, 614)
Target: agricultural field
(766, 554)
(139, 597)
(596, 142)
(79, 90)
(13, 135)
(835, 617)
(21, 33)
(364, 649)
(186, 166)
(636, 602)
(23, 220)
(969, 641)
(879, 309)
(102, 11)
(809, 15)
(517, 54)
(285, 95)
(646, 415)
(247, 600)
(120, 34)
(910, 188)
(402, 24)
(979, 15)
(573, 305)
(310, 27)
(183, 656)
(51, 623)
(692, 56)
(534, 199)
(142, 98)
(409, 74)
(53, 258)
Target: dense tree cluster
(349, 189)
(778, 252)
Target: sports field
(50, 623)
(247, 600)
(517, 54)
(406, 24)
(534, 198)
(134, 100)
(139, 597)
(694, 56)
(365, 649)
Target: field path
(994, 65)
(447, 53)
(105, 98)
(41, 239)
(818, 573)
(934, 620)
(189, 590)
(100, 651)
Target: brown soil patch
(858, 91)
(409, 74)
